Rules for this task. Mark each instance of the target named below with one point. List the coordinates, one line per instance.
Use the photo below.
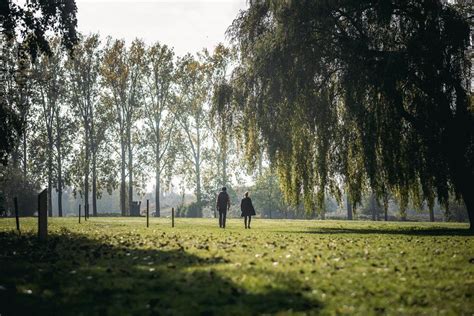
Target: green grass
(118, 266)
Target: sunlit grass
(118, 266)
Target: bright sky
(186, 25)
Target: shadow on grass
(412, 231)
(74, 275)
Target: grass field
(117, 266)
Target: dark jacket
(246, 207)
(223, 201)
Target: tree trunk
(373, 206)
(94, 182)
(349, 207)
(122, 178)
(60, 188)
(432, 218)
(385, 207)
(198, 190)
(198, 170)
(86, 174)
(50, 174)
(469, 201)
(130, 173)
(157, 193)
(24, 156)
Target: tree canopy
(30, 22)
(351, 93)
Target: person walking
(223, 205)
(247, 209)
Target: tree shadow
(71, 274)
(411, 231)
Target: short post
(43, 214)
(172, 217)
(147, 213)
(79, 213)
(15, 202)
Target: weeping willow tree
(347, 94)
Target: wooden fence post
(43, 215)
(15, 202)
(147, 213)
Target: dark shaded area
(73, 275)
(436, 231)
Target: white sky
(186, 25)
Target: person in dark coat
(247, 209)
(223, 205)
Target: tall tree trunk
(385, 206)
(60, 187)
(86, 173)
(157, 192)
(198, 190)
(373, 206)
(24, 156)
(122, 178)
(50, 174)
(130, 173)
(349, 206)
(94, 182)
(198, 170)
(157, 169)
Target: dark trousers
(247, 224)
(222, 216)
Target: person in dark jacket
(223, 205)
(247, 209)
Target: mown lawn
(117, 266)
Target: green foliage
(32, 22)
(277, 267)
(349, 94)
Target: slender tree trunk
(86, 173)
(373, 206)
(198, 170)
(94, 182)
(25, 157)
(130, 172)
(122, 177)
(50, 174)
(385, 207)
(349, 206)
(157, 169)
(157, 193)
(60, 187)
(198, 189)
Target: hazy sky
(186, 25)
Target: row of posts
(43, 215)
